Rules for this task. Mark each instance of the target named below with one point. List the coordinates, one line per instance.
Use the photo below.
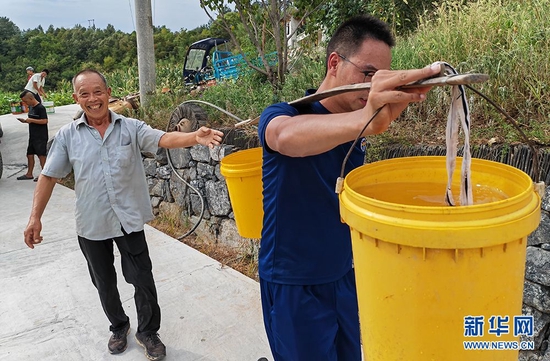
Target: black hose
(342, 170)
(203, 203)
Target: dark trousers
(136, 268)
(312, 322)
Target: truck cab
(198, 63)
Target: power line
(154, 11)
(131, 14)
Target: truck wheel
(187, 117)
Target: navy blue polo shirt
(303, 240)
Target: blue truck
(206, 63)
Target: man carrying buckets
(36, 85)
(305, 264)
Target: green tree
(256, 28)
(164, 41)
(7, 28)
(402, 15)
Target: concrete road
(49, 309)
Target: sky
(28, 14)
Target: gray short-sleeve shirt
(110, 184)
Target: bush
(507, 40)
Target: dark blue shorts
(312, 323)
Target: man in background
(37, 119)
(36, 84)
(30, 72)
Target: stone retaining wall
(199, 166)
(536, 292)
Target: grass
(242, 260)
(505, 39)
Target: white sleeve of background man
(30, 86)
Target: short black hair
(352, 33)
(90, 71)
(46, 71)
(25, 92)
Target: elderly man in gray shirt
(112, 202)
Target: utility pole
(145, 50)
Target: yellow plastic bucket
(243, 174)
(424, 270)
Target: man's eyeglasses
(367, 73)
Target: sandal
(24, 177)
